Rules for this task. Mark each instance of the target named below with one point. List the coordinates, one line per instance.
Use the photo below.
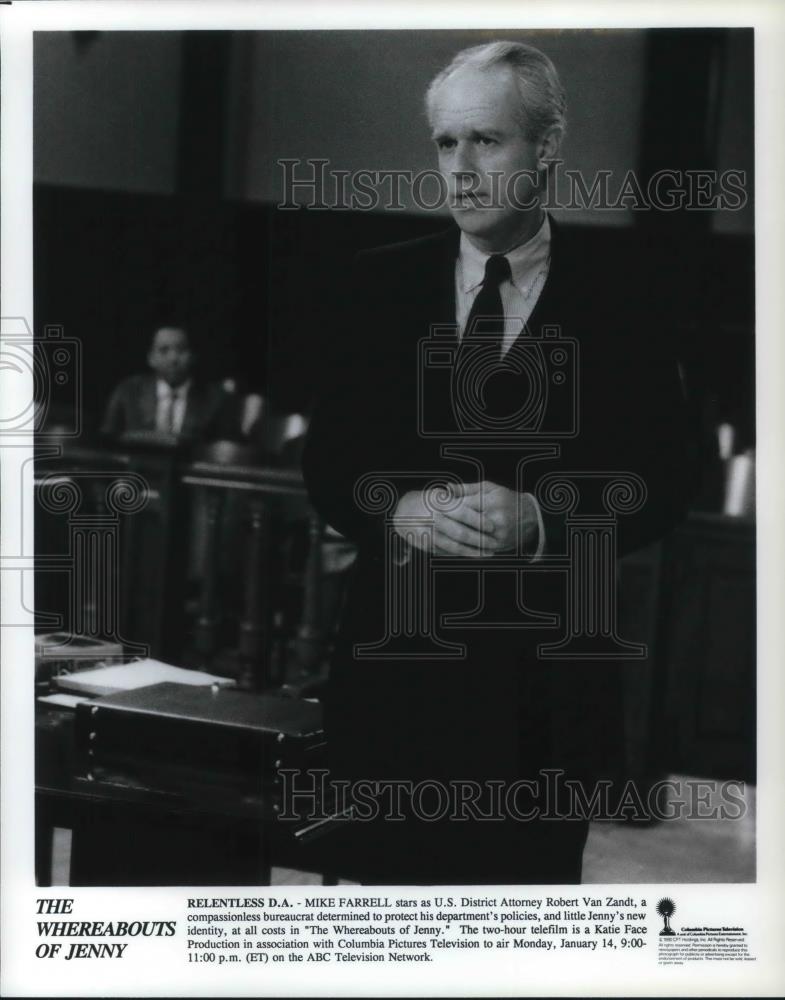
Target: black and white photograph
(261, 253)
(387, 487)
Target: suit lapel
(436, 298)
(550, 293)
(148, 403)
(446, 284)
(195, 404)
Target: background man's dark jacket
(498, 712)
(210, 413)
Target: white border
(759, 906)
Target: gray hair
(543, 102)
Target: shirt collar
(163, 390)
(526, 261)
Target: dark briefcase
(178, 736)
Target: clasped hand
(482, 519)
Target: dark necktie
(485, 324)
(487, 388)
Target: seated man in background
(169, 405)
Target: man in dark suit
(497, 359)
(169, 404)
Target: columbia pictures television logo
(666, 908)
(531, 391)
(50, 365)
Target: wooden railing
(209, 564)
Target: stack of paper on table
(129, 676)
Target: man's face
(475, 119)
(170, 356)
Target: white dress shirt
(529, 264)
(170, 406)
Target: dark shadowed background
(157, 183)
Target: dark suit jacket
(498, 711)
(210, 412)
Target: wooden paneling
(709, 649)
